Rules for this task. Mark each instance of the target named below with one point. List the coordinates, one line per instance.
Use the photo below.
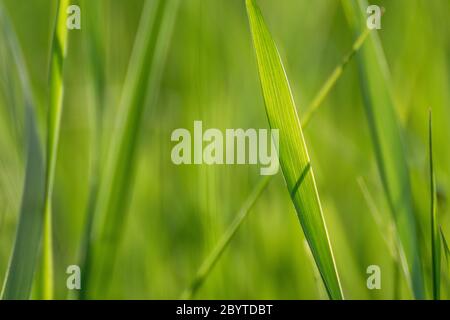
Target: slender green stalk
(58, 55)
(218, 250)
(331, 81)
(241, 216)
(19, 276)
(435, 237)
(142, 81)
(293, 154)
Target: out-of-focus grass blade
(387, 140)
(331, 81)
(58, 55)
(214, 256)
(94, 43)
(435, 237)
(294, 158)
(143, 77)
(446, 249)
(19, 277)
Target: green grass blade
(19, 277)
(241, 216)
(58, 55)
(388, 144)
(143, 77)
(435, 237)
(294, 158)
(218, 250)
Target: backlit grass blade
(212, 258)
(388, 144)
(142, 81)
(293, 155)
(19, 277)
(435, 236)
(58, 55)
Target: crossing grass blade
(142, 81)
(19, 276)
(58, 55)
(331, 80)
(293, 154)
(218, 250)
(215, 255)
(435, 236)
(387, 141)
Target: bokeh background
(177, 214)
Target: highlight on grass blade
(19, 276)
(435, 236)
(293, 154)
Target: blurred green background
(178, 213)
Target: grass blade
(331, 81)
(387, 140)
(215, 255)
(294, 158)
(19, 277)
(435, 237)
(241, 216)
(58, 55)
(142, 80)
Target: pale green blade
(19, 277)
(143, 78)
(388, 144)
(435, 234)
(293, 155)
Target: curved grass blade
(294, 158)
(19, 276)
(435, 237)
(388, 144)
(143, 78)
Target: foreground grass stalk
(212, 258)
(58, 54)
(435, 234)
(19, 276)
(293, 154)
(142, 81)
